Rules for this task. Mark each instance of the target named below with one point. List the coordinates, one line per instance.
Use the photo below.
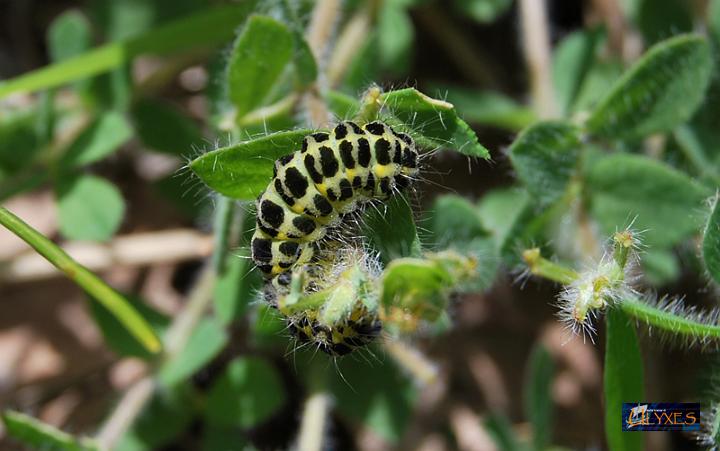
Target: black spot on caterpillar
(331, 175)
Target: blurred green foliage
(635, 142)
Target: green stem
(670, 322)
(92, 284)
(224, 214)
(308, 302)
(547, 269)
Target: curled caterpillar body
(357, 330)
(330, 176)
(311, 189)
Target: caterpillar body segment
(332, 175)
(359, 329)
(347, 316)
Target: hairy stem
(661, 319)
(87, 280)
(652, 315)
(547, 269)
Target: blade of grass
(92, 284)
(623, 379)
(38, 435)
(199, 30)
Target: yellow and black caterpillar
(311, 189)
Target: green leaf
(101, 138)
(46, 117)
(545, 158)
(623, 379)
(235, 289)
(364, 67)
(259, 57)
(163, 128)
(499, 211)
(38, 435)
(538, 397)
(121, 19)
(176, 189)
(166, 417)
(19, 142)
(662, 201)
(692, 142)
(600, 79)
(416, 286)
(483, 11)
(243, 170)
(206, 341)
(249, 392)
(660, 266)
(268, 328)
(434, 119)
(199, 30)
(711, 243)
(662, 90)
(118, 337)
(485, 252)
(391, 231)
(571, 63)
(69, 35)
(455, 220)
(342, 105)
(223, 439)
(379, 395)
(395, 36)
(89, 208)
(306, 70)
(112, 90)
(714, 20)
(656, 23)
(489, 108)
